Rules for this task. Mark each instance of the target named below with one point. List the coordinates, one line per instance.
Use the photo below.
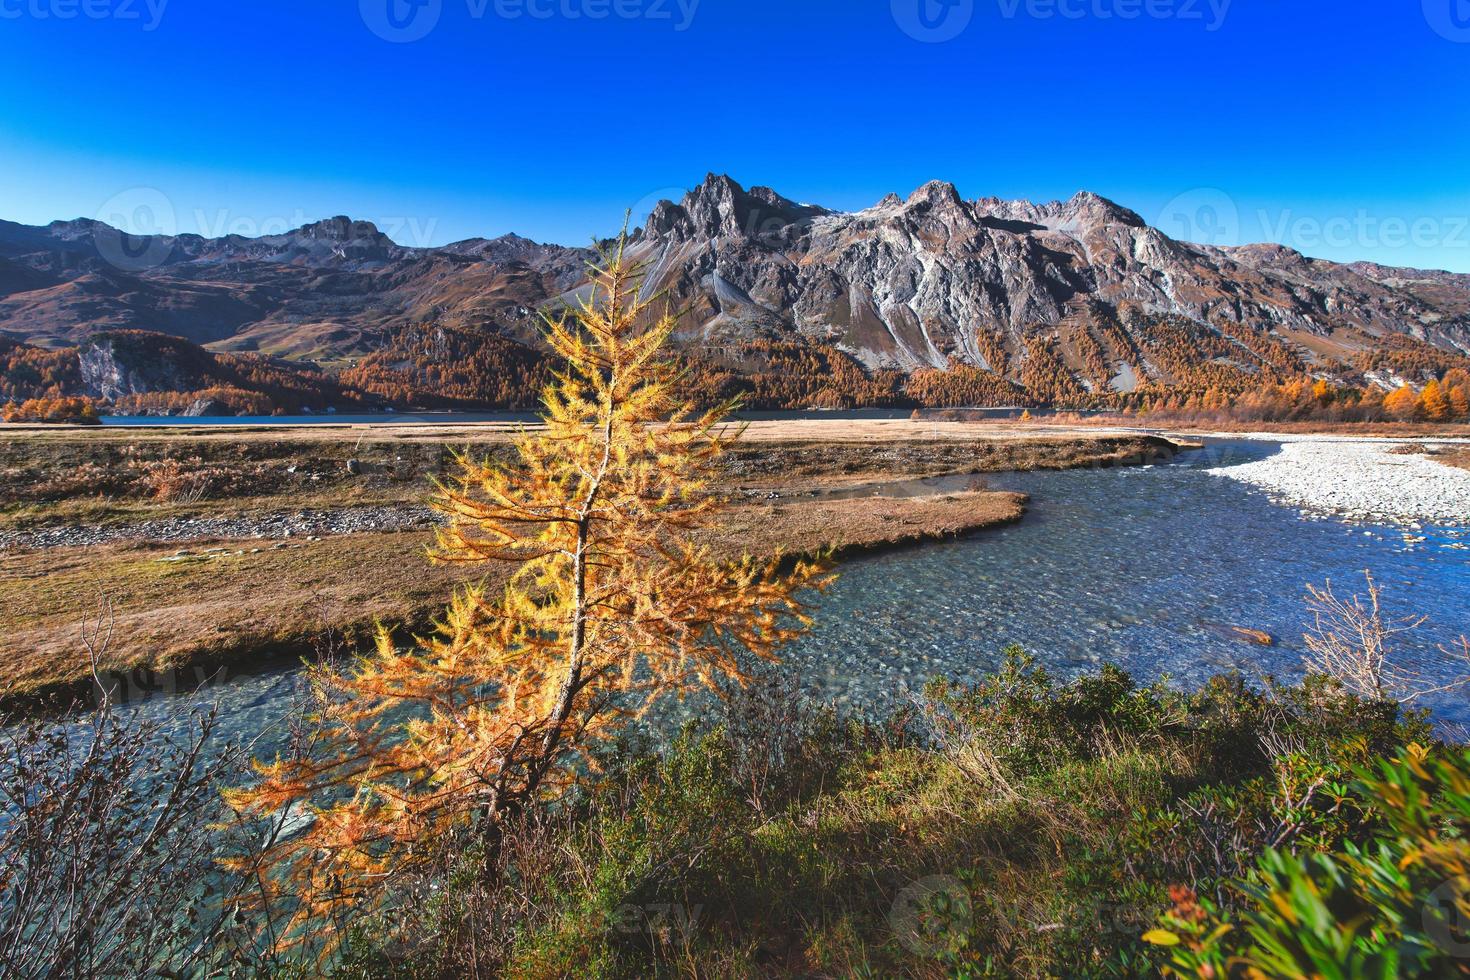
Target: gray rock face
(108, 376)
(933, 279)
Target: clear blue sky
(1341, 129)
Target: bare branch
(1354, 644)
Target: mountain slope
(934, 279)
(1063, 301)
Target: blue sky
(1340, 129)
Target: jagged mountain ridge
(931, 279)
(1068, 298)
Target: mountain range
(1062, 302)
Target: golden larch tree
(611, 602)
(1401, 403)
(1434, 403)
(1460, 403)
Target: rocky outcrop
(109, 376)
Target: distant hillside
(929, 299)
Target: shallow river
(1148, 568)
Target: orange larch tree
(1401, 403)
(1434, 402)
(610, 603)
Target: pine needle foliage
(611, 603)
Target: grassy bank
(1449, 455)
(239, 602)
(1021, 827)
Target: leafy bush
(1395, 902)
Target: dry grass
(1458, 457)
(206, 608)
(1449, 455)
(96, 477)
(243, 608)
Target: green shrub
(1396, 903)
(1019, 826)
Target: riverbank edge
(248, 654)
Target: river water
(1148, 568)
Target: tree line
(1183, 369)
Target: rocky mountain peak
(75, 228)
(720, 208)
(1093, 210)
(664, 218)
(343, 229)
(935, 193)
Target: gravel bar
(347, 520)
(1360, 481)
